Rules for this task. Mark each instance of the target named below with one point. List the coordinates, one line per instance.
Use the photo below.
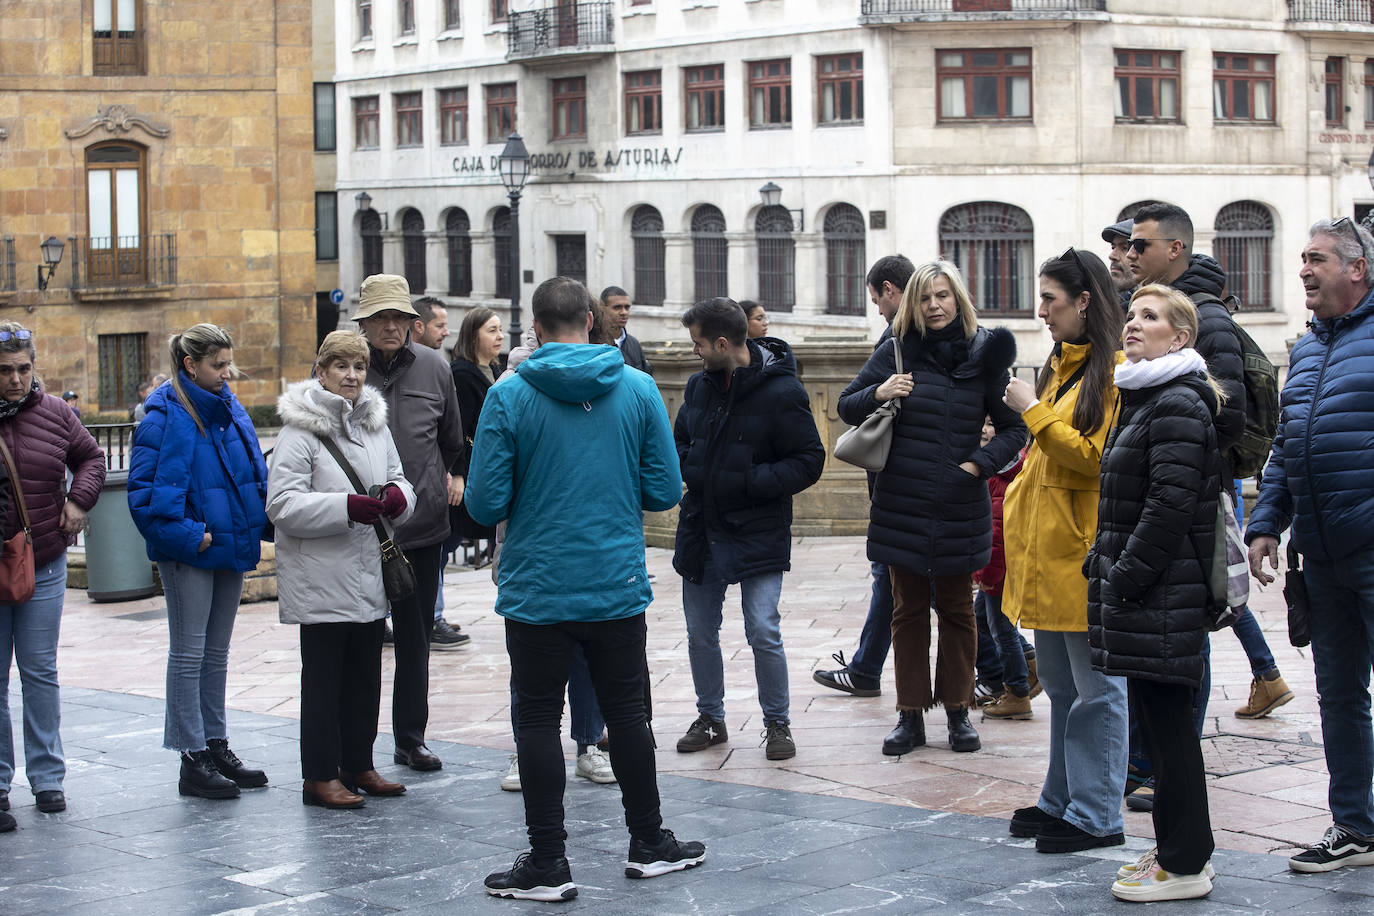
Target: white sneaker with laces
(1154, 883)
(596, 766)
(511, 781)
(1147, 861)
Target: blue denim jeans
(28, 634)
(201, 606)
(1342, 619)
(702, 606)
(1247, 630)
(1087, 772)
(876, 639)
(1010, 644)
(584, 715)
(988, 665)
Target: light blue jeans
(702, 606)
(1088, 745)
(201, 606)
(28, 634)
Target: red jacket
(46, 439)
(990, 577)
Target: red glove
(364, 509)
(393, 501)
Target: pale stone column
(809, 274)
(743, 261)
(483, 265)
(679, 270)
(436, 262)
(393, 252)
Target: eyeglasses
(1348, 222)
(21, 334)
(1138, 245)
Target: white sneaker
(511, 781)
(1158, 884)
(595, 765)
(1147, 861)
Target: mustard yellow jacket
(1050, 513)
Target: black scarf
(948, 346)
(10, 408)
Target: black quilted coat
(929, 515)
(1148, 569)
(1219, 345)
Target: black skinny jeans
(1183, 827)
(540, 657)
(412, 623)
(341, 692)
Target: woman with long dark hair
(475, 368)
(1050, 519)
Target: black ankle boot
(962, 735)
(231, 767)
(199, 777)
(909, 734)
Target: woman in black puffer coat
(931, 520)
(1148, 571)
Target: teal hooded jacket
(569, 452)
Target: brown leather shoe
(418, 758)
(371, 782)
(329, 793)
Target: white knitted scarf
(1147, 373)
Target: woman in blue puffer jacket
(197, 486)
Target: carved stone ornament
(116, 119)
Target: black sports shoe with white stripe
(1340, 846)
(528, 880)
(849, 682)
(666, 855)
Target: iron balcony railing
(9, 281)
(912, 10)
(1361, 11)
(123, 262)
(116, 440)
(559, 28)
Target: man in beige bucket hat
(423, 417)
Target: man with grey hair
(1118, 235)
(1320, 480)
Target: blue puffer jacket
(1320, 476)
(183, 483)
(571, 450)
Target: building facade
(167, 144)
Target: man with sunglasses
(1320, 480)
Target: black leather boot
(199, 777)
(231, 767)
(909, 734)
(962, 735)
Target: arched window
(710, 271)
(456, 227)
(500, 250)
(116, 214)
(991, 244)
(1244, 246)
(845, 268)
(413, 248)
(646, 229)
(370, 226)
(777, 259)
(1130, 210)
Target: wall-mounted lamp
(52, 256)
(772, 197)
(364, 201)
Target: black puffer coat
(929, 515)
(1149, 567)
(1217, 342)
(747, 445)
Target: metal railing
(1331, 11)
(124, 262)
(8, 279)
(561, 27)
(916, 7)
(116, 440)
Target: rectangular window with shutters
(705, 88)
(405, 16)
(1335, 91)
(840, 89)
(770, 93)
(1369, 93)
(453, 116)
(325, 129)
(644, 102)
(123, 363)
(118, 47)
(364, 20)
(1147, 86)
(326, 226)
(984, 85)
(570, 108)
(410, 117)
(452, 14)
(500, 111)
(1243, 87)
(366, 112)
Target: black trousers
(412, 623)
(540, 657)
(341, 692)
(1183, 826)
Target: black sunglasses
(1354, 230)
(1071, 253)
(1140, 244)
(21, 334)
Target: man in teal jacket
(569, 452)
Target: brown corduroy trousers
(958, 639)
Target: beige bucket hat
(381, 293)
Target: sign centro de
(604, 161)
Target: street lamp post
(515, 168)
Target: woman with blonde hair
(931, 518)
(197, 481)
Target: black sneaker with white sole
(650, 861)
(844, 679)
(1339, 847)
(701, 734)
(530, 880)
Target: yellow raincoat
(1050, 513)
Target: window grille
(710, 269)
(991, 243)
(456, 231)
(500, 238)
(777, 259)
(1244, 246)
(845, 264)
(646, 231)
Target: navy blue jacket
(183, 483)
(747, 444)
(929, 515)
(1320, 476)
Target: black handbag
(398, 576)
(1295, 595)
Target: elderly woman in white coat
(329, 564)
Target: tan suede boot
(1266, 695)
